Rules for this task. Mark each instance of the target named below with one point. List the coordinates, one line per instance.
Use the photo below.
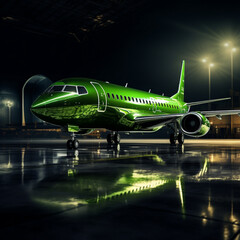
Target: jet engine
(194, 125)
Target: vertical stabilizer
(180, 94)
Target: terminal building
(227, 126)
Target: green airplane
(81, 105)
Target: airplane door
(102, 98)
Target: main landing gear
(176, 135)
(113, 137)
(72, 143)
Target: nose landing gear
(72, 143)
(113, 137)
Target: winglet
(180, 94)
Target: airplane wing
(154, 121)
(158, 120)
(219, 113)
(153, 118)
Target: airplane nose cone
(38, 108)
(33, 109)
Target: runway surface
(141, 189)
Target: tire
(180, 138)
(116, 138)
(109, 139)
(172, 139)
(75, 144)
(69, 144)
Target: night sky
(144, 49)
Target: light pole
(35, 77)
(23, 113)
(209, 79)
(232, 51)
(9, 104)
(210, 65)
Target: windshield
(82, 90)
(70, 89)
(67, 88)
(56, 89)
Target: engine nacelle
(195, 125)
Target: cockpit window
(70, 89)
(56, 89)
(82, 90)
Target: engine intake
(195, 125)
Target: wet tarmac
(136, 190)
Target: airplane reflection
(96, 177)
(186, 182)
(128, 182)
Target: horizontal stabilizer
(206, 101)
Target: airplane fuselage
(79, 103)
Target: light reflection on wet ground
(132, 191)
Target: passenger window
(140, 100)
(108, 95)
(70, 89)
(113, 95)
(129, 98)
(121, 97)
(125, 98)
(136, 99)
(117, 97)
(82, 90)
(56, 89)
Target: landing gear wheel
(113, 138)
(172, 139)
(75, 144)
(69, 144)
(116, 138)
(109, 139)
(180, 138)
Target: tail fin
(180, 94)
